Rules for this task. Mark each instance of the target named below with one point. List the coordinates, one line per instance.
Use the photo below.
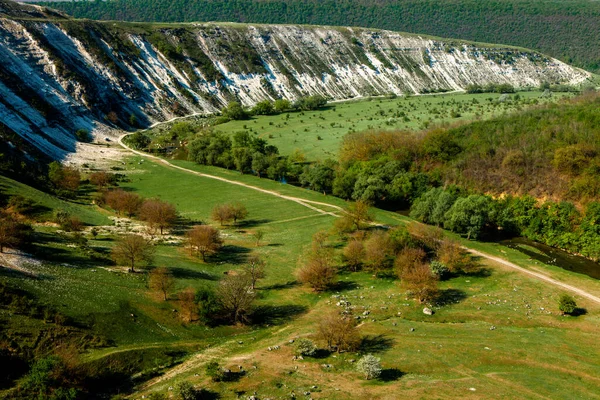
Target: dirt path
(535, 274)
(311, 204)
(301, 201)
(197, 360)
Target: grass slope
(532, 352)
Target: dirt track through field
(536, 274)
(311, 204)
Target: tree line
(514, 22)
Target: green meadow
(318, 134)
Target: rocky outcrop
(59, 75)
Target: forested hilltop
(567, 30)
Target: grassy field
(499, 334)
(318, 134)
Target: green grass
(530, 351)
(302, 130)
(46, 203)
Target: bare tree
(339, 332)
(236, 296)
(238, 212)
(258, 235)
(420, 282)
(205, 240)
(159, 214)
(222, 213)
(133, 250)
(318, 273)
(408, 258)
(188, 305)
(123, 202)
(379, 251)
(12, 232)
(451, 254)
(161, 280)
(255, 269)
(354, 254)
(100, 179)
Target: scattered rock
(412, 329)
(427, 311)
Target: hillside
(60, 76)
(567, 30)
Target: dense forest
(567, 30)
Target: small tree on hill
(159, 214)
(63, 177)
(255, 269)
(305, 347)
(238, 212)
(222, 213)
(123, 202)
(133, 250)
(355, 216)
(408, 258)
(258, 235)
(318, 273)
(161, 281)
(188, 305)
(567, 304)
(100, 179)
(370, 366)
(12, 232)
(205, 240)
(451, 254)
(379, 251)
(354, 254)
(339, 332)
(420, 282)
(236, 296)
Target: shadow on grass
(231, 254)
(450, 296)
(205, 394)
(390, 375)
(375, 343)
(578, 312)
(278, 286)
(184, 273)
(344, 285)
(252, 223)
(276, 315)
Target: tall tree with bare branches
(133, 250)
(205, 240)
(161, 280)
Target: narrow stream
(551, 256)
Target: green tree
(234, 111)
(470, 215)
(264, 107)
(567, 304)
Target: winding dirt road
(312, 205)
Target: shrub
(318, 273)
(186, 391)
(439, 269)
(216, 372)
(566, 304)
(305, 347)
(370, 366)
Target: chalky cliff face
(59, 75)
